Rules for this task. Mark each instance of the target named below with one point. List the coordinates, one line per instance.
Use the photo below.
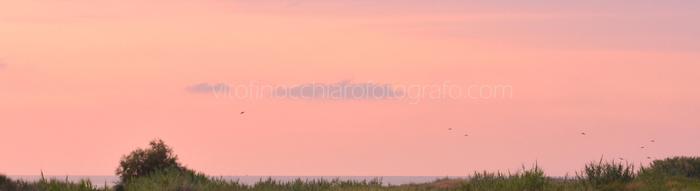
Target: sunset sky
(83, 82)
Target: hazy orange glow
(83, 82)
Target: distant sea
(250, 180)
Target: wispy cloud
(348, 90)
(208, 88)
(345, 90)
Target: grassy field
(157, 169)
(678, 173)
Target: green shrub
(688, 167)
(143, 162)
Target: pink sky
(84, 82)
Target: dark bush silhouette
(688, 167)
(143, 162)
(6, 183)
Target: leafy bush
(143, 162)
(688, 167)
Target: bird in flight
(652, 141)
(642, 147)
(449, 129)
(242, 112)
(648, 157)
(466, 135)
(583, 133)
(621, 158)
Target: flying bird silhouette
(652, 141)
(642, 147)
(648, 157)
(466, 135)
(449, 129)
(242, 112)
(583, 133)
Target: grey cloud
(208, 88)
(345, 90)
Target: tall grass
(608, 175)
(6, 184)
(526, 179)
(679, 173)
